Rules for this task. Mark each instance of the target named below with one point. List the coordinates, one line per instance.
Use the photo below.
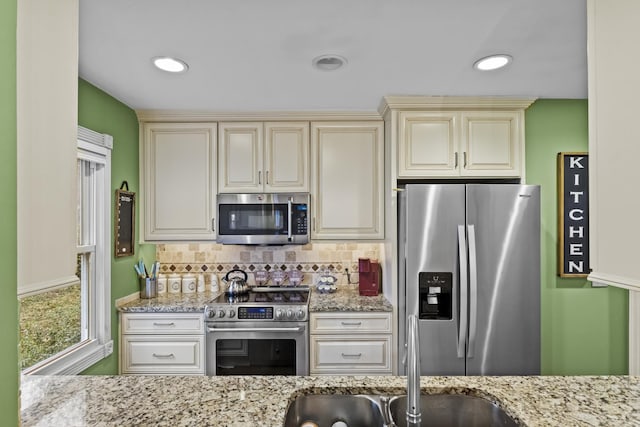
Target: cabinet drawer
(152, 323)
(340, 355)
(332, 323)
(162, 355)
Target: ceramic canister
(213, 284)
(201, 286)
(189, 285)
(162, 283)
(174, 283)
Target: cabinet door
(347, 180)
(240, 157)
(286, 157)
(428, 144)
(492, 143)
(179, 182)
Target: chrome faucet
(413, 372)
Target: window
(65, 329)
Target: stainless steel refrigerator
(469, 267)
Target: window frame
(95, 147)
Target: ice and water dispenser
(435, 295)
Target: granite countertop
(346, 298)
(170, 303)
(262, 401)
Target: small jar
(213, 283)
(174, 283)
(162, 283)
(200, 286)
(189, 285)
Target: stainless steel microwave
(263, 219)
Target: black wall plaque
(573, 214)
(124, 226)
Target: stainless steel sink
(452, 410)
(327, 410)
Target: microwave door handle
(290, 216)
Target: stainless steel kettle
(236, 285)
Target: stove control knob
(231, 313)
(279, 314)
(290, 314)
(211, 313)
(300, 314)
(221, 313)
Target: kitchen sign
(573, 214)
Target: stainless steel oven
(263, 219)
(262, 333)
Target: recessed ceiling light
(492, 62)
(329, 62)
(171, 65)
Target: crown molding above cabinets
(177, 116)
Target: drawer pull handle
(164, 356)
(351, 356)
(164, 324)
(351, 323)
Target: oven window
(253, 219)
(255, 357)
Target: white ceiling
(255, 55)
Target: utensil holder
(148, 288)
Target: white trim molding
(600, 279)
(178, 116)
(634, 332)
(101, 139)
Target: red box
(370, 276)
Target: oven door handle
(296, 329)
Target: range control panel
(255, 313)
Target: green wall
(584, 329)
(9, 371)
(102, 113)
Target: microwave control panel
(299, 219)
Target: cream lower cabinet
(162, 343)
(179, 181)
(347, 172)
(350, 343)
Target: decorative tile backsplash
(312, 257)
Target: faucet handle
(386, 412)
(404, 356)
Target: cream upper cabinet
(429, 142)
(492, 143)
(453, 137)
(347, 171)
(270, 157)
(179, 182)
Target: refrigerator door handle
(473, 289)
(462, 255)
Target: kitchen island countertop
(262, 401)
